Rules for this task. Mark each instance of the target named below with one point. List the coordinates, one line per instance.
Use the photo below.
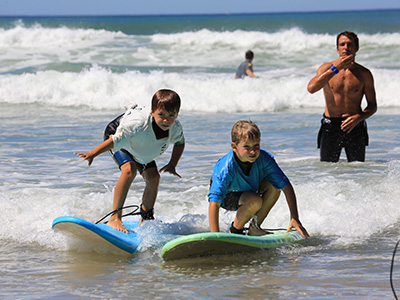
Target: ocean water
(62, 79)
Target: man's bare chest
(346, 82)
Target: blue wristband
(334, 69)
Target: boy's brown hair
(166, 99)
(245, 130)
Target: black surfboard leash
(132, 213)
(391, 270)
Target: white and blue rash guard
(228, 176)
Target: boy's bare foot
(257, 231)
(118, 225)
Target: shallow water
(63, 79)
(348, 209)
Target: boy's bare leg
(269, 196)
(128, 174)
(152, 180)
(249, 203)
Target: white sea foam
(352, 209)
(39, 37)
(22, 47)
(104, 69)
(100, 88)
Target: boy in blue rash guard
(248, 180)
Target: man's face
(346, 46)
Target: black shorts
(231, 201)
(123, 156)
(331, 140)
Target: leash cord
(391, 270)
(132, 213)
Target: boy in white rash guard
(248, 180)
(136, 139)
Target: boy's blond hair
(245, 130)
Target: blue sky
(148, 7)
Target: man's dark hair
(350, 35)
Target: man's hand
(344, 62)
(350, 122)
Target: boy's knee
(252, 200)
(256, 204)
(129, 169)
(152, 176)
(266, 188)
(155, 177)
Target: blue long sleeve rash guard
(228, 176)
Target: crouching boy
(249, 181)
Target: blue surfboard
(218, 243)
(100, 233)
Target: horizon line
(198, 14)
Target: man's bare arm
(325, 73)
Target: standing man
(344, 83)
(246, 67)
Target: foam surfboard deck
(100, 233)
(216, 243)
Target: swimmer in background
(246, 67)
